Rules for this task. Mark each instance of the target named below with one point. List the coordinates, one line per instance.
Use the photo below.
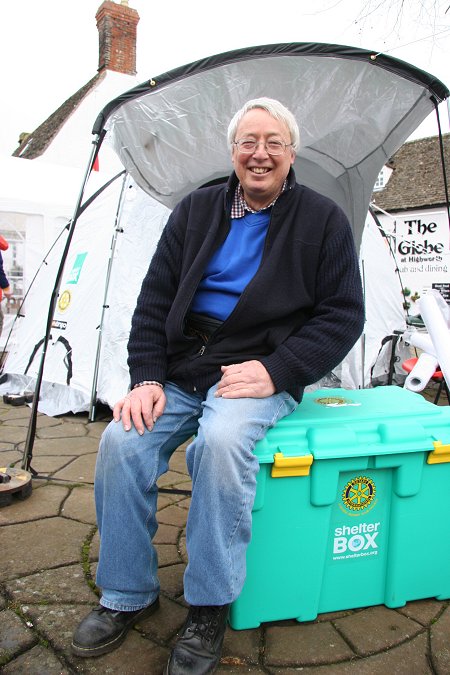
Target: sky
(49, 48)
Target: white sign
(421, 246)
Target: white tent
(122, 224)
(354, 108)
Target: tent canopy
(354, 109)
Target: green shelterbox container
(352, 507)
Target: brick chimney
(117, 24)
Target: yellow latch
(291, 466)
(440, 454)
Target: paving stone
(138, 655)
(31, 547)
(62, 585)
(241, 647)
(187, 485)
(407, 659)
(185, 503)
(80, 470)
(375, 629)
(78, 445)
(171, 579)
(61, 431)
(167, 554)
(172, 515)
(12, 433)
(15, 637)
(175, 495)
(305, 644)
(178, 462)
(10, 412)
(20, 417)
(165, 623)
(37, 661)
(46, 466)
(96, 429)
(3, 602)
(182, 548)
(80, 505)
(74, 418)
(171, 478)
(239, 669)
(10, 457)
(440, 643)
(332, 616)
(56, 623)
(94, 549)
(422, 611)
(166, 499)
(166, 534)
(40, 504)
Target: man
(253, 293)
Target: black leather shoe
(103, 630)
(199, 646)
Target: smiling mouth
(259, 170)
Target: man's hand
(245, 380)
(143, 405)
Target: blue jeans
(223, 469)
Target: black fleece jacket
(300, 315)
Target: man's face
(260, 174)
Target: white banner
(421, 245)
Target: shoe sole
(209, 672)
(86, 652)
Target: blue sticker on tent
(76, 269)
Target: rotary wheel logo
(64, 301)
(332, 401)
(359, 493)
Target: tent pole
(442, 153)
(105, 306)
(28, 450)
(18, 313)
(363, 341)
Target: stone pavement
(48, 554)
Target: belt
(202, 326)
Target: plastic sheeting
(354, 111)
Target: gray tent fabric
(354, 109)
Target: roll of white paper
(422, 372)
(437, 328)
(421, 341)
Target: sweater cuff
(281, 377)
(145, 375)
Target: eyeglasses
(248, 146)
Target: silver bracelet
(142, 384)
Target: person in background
(253, 293)
(5, 291)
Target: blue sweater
(232, 266)
(300, 315)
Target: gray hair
(274, 108)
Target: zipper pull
(202, 350)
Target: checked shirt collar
(239, 206)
